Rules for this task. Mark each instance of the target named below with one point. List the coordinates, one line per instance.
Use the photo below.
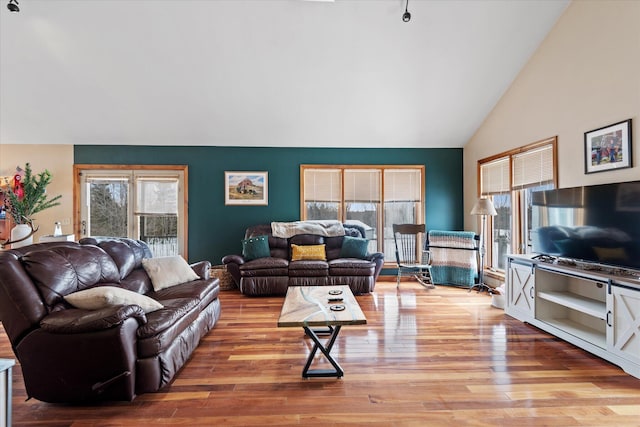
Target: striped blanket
(449, 263)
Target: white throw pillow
(168, 271)
(106, 296)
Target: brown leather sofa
(272, 275)
(74, 355)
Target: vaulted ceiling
(348, 73)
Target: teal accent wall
(215, 229)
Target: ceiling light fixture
(13, 6)
(406, 16)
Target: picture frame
(246, 188)
(608, 147)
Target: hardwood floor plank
(439, 357)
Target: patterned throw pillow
(308, 253)
(255, 247)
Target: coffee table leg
(326, 350)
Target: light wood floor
(440, 357)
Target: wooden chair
(411, 257)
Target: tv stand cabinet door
(520, 291)
(623, 321)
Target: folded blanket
(453, 258)
(327, 228)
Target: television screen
(599, 223)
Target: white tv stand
(594, 307)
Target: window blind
(402, 185)
(362, 185)
(322, 185)
(157, 196)
(533, 167)
(494, 177)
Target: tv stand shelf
(579, 303)
(579, 330)
(591, 309)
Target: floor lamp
(483, 207)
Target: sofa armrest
(378, 259)
(233, 259)
(74, 321)
(233, 263)
(202, 269)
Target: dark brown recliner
(273, 275)
(73, 355)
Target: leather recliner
(71, 355)
(273, 275)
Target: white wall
(584, 76)
(58, 159)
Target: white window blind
(322, 185)
(157, 196)
(402, 185)
(533, 167)
(494, 177)
(362, 185)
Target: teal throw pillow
(354, 247)
(255, 247)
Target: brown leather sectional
(74, 355)
(274, 274)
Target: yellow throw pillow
(308, 253)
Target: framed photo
(246, 188)
(608, 148)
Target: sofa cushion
(106, 296)
(62, 270)
(165, 325)
(351, 267)
(265, 267)
(203, 290)
(308, 253)
(168, 271)
(354, 247)
(307, 239)
(308, 268)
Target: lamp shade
(484, 206)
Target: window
(143, 202)
(509, 179)
(373, 197)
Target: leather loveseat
(274, 273)
(114, 352)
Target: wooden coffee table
(331, 307)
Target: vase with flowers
(25, 198)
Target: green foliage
(35, 197)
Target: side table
(6, 366)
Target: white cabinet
(623, 338)
(520, 290)
(590, 308)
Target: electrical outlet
(66, 221)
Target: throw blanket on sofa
(328, 228)
(453, 257)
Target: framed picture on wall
(246, 188)
(608, 147)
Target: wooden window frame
(516, 203)
(421, 213)
(78, 169)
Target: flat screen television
(598, 223)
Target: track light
(13, 6)
(406, 16)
